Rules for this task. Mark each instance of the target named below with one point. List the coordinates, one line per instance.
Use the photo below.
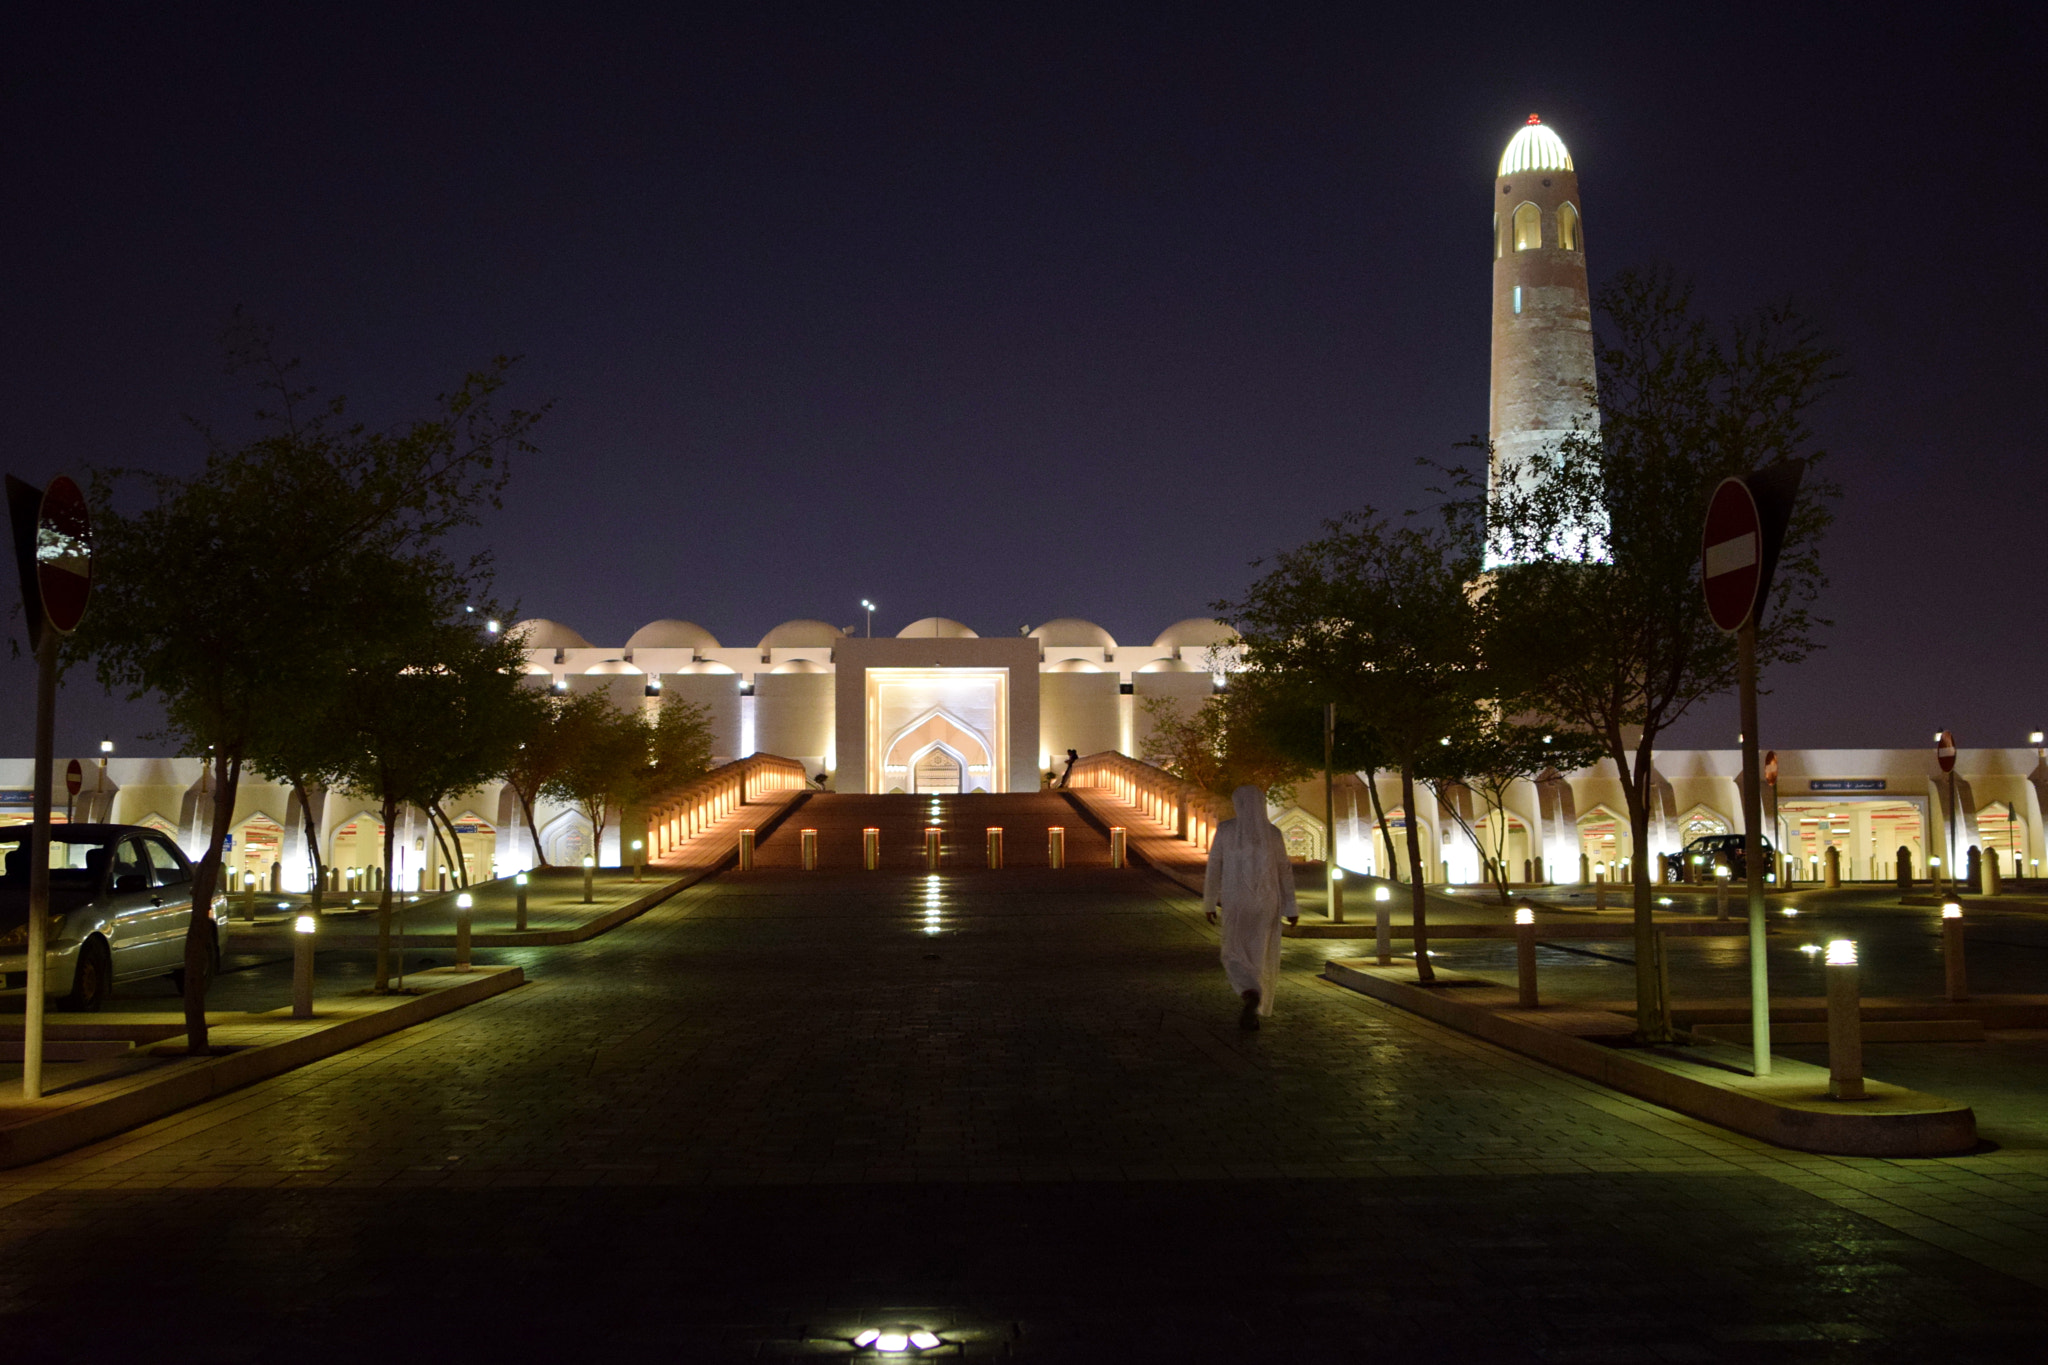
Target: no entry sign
(1732, 554)
(74, 777)
(64, 554)
(1945, 751)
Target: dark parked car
(120, 904)
(1697, 863)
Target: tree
(212, 595)
(1379, 617)
(544, 728)
(1487, 757)
(607, 764)
(1214, 747)
(1597, 619)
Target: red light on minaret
(1534, 119)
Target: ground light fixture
(1841, 952)
(897, 1340)
(1380, 893)
(1951, 910)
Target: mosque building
(937, 708)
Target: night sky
(1013, 312)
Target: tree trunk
(227, 776)
(1379, 815)
(526, 801)
(1418, 895)
(383, 986)
(460, 865)
(435, 819)
(312, 844)
(1653, 1011)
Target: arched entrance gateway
(937, 754)
(937, 772)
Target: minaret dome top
(1535, 148)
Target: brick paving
(1012, 1107)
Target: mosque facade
(939, 708)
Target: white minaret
(1542, 387)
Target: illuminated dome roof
(936, 628)
(670, 633)
(801, 634)
(538, 633)
(1535, 148)
(1196, 632)
(1071, 632)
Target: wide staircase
(1025, 818)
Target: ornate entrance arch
(912, 749)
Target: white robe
(1250, 878)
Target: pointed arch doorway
(937, 772)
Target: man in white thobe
(1251, 880)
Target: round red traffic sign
(1731, 554)
(63, 554)
(1945, 751)
(1771, 766)
(74, 777)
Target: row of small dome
(1068, 632)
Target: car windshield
(73, 861)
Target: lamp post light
(519, 903)
(1382, 925)
(464, 904)
(869, 608)
(639, 863)
(302, 966)
(1525, 955)
(589, 871)
(1721, 875)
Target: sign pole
(1331, 906)
(39, 867)
(1753, 856)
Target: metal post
(1599, 890)
(519, 890)
(1336, 895)
(1845, 1023)
(871, 849)
(1333, 894)
(932, 834)
(1116, 845)
(1525, 956)
(302, 966)
(995, 846)
(1955, 967)
(39, 866)
(464, 903)
(810, 848)
(746, 850)
(1720, 891)
(1753, 857)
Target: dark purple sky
(1007, 313)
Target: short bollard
(1599, 890)
(931, 848)
(639, 862)
(1336, 895)
(1721, 876)
(519, 903)
(589, 872)
(810, 848)
(1845, 1023)
(1383, 925)
(1954, 965)
(249, 895)
(746, 850)
(995, 846)
(464, 905)
(302, 966)
(1525, 956)
(1056, 846)
(1116, 845)
(871, 849)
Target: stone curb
(1789, 1109)
(138, 1100)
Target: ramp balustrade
(676, 816)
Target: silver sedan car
(120, 905)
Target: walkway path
(1008, 1106)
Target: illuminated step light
(897, 1340)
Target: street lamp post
(869, 608)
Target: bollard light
(1841, 952)
(1845, 1023)
(302, 966)
(1380, 893)
(1951, 910)
(638, 864)
(1525, 916)
(1955, 966)
(519, 893)
(464, 903)
(589, 871)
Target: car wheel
(212, 962)
(93, 982)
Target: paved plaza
(1011, 1107)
